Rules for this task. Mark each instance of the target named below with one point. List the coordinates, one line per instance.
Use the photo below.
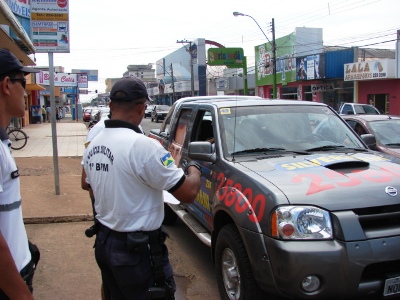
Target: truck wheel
(232, 266)
(170, 217)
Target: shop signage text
(376, 69)
(323, 87)
(60, 79)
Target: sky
(110, 35)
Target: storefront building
(376, 84)
(318, 76)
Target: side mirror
(370, 140)
(202, 151)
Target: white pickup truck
(358, 108)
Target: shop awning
(34, 87)
(7, 18)
(7, 42)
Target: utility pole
(173, 85)
(273, 46)
(191, 64)
(274, 91)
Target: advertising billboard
(230, 57)
(92, 75)
(22, 11)
(60, 79)
(310, 67)
(285, 63)
(365, 70)
(50, 26)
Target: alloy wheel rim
(230, 274)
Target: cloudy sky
(110, 35)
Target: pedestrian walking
(127, 172)
(48, 113)
(44, 113)
(18, 257)
(57, 114)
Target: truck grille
(383, 221)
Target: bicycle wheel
(18, 139)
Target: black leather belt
(122, 235)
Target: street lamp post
(274, 90)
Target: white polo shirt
(11, 221)
(128, 172)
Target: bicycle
(17, 137)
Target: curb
(58, 219)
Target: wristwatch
(194, 164)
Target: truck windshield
(291, 128)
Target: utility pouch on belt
(136, 241)
(28, 272)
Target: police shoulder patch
(167, 160)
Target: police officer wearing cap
(17, 263)
(128, 173)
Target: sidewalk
(70, 205)
(71, 136)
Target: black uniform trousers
(126, 274)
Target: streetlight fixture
(274, 91)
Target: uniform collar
(121, 124)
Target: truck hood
(334, 181)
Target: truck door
(203, 130)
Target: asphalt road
(147, 125)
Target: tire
(18, 139)
(232, 267)
(170, 217)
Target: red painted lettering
(376, 176)
(242, 202)
(316, 185)
(348, 180)
(259, 201)
(230, 198)
(231, 194)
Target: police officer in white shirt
(128, 172)
(15, 255)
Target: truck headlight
(301, 223)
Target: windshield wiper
(335, 147)
(393, 144)
(254, 150)
(325, 148)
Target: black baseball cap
(9, 63)
(132, 87)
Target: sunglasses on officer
(20, 80)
